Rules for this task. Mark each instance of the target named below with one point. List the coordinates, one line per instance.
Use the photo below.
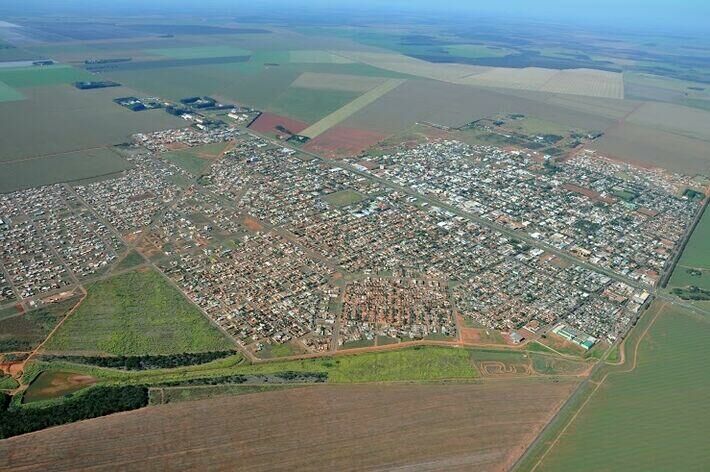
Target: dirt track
(363, 427)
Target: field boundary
(345, 112)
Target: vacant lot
(340, 141)
(658, 410)
(133, 314)
(61, 119)
(24, 332)
(67, 167)
(364, 427)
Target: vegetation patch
(144, 362)
(36, 76)
(24, 332)
(199, 52)
(54, 384)
(135, 314)
(9, 94)
(344, 198)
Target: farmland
(9, 94)
(655, 406)
(136, 313)
(450, 426)
(42, 76)
(68, 167)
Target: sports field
(133, 314)
(650, 414)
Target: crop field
(9, 94)
(656, 408)
(646, 145)
(199, 52)
(163, 395)
(694, 265)
(24, 332)
(68, 119)
(351, 108)
(450, 427)
(311, 105)
(344, 82)
(37, 76)
(677, 119)
(267, 123)
(133, 314)
(67, 167)
(316, 57)
(53, 384)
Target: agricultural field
(693, 268)
(654, 405)
(9, 94)
(438, 426)
(477, 51)
(133, 314)
(197, 52)
(23, 332)
(68, 167)
(36, 76)
(72, 120)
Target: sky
(633, 14)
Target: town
(278, 246)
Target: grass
(160, 396)
(131, 260)
(344, 198)
(310, 105)
(693, 268)
(195, 159)
(133, 314)
(351, 108)
(270, 351)
(67, 167)
(25, 332)
(198, 52)
(9, 94)
(36, 76)
(7, 382)
(657, 410)
(54, 384)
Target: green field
(199, 52)
(36, 76)
(26, 331)
(7, 382)
(9, 94)
(652, 418)
(279, 350)
(694, 265)
(194, 160)
(67, 167)
(133, 314)
(344, 198)
(131, 260)
(310, 105)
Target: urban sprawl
(276, 245)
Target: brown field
(341, 141)
(481, 427)
(267, 123)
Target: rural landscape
(359, 238)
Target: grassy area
(131, 260)
(7, 382)
(279, 350)
(344, 198)
(36, 76)
(477, 51)
(693, 268)
(657, 410)
(53, 384)
(159, 396)
(133, 314)
(26, 331)
(310, 105)
(187, 160)
(9, 94)
(198, 52)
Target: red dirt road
(480, 426)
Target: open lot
(72, 166)
(133, 314)
(60, 119)
(453, 427)
(24, 332)
(656, 407)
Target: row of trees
(144, 362)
